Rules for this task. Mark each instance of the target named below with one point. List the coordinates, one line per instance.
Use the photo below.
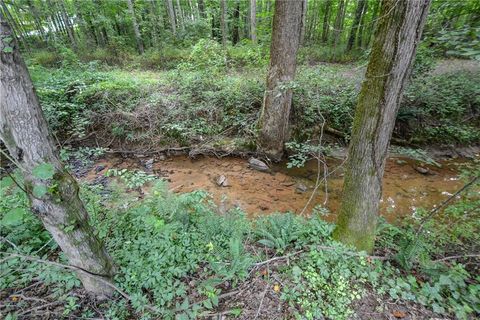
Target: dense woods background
(112, 30)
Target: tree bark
(393, 52)
(223, 21)
(253, 20)
(356, 21)
(236, 23)
(273, 122)
(304, 22)
(24, 131)
(138, 37)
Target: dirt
(405, 188)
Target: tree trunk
(236, 23)
(223, 21)
(273, 122)
(201, 8)
(338, 25)
(326, 21)
(253, 20)
(179, 15)
(68, 25)
(171, 16)
(373, 23)
(361, 28)
(393, 52)
(37, 20)
(138, 37)
(304, 22)
(356, 21)
(24, 131)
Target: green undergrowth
(206, 99)
(177, 254)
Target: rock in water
(300, 188)
(422, 170)
(258, 165)
(149, 164)
(222, 181)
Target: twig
(54, 303)
(23, 297)
(261, 302)
(457, 257)
(278, 258)
(444, 203)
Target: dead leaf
(399, 314)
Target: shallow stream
(405, 189)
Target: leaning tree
(52, 191)
(396, 39)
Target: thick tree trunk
(138, 37)
(24, 131)
(223, 21)
(356, 22)
(273, 123)
(253, 20)
(393, 52)
(171, 16)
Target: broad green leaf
(44, 171)
(8, 49)
(39, 191)
(13, 217)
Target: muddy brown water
(258, 193)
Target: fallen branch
(457, 257)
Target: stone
(99, 168)
(422, 170)
(300, 188)
(222, 181)
(149, 164)
(258, 165)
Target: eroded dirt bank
(408, 185)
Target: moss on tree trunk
(393, 52)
